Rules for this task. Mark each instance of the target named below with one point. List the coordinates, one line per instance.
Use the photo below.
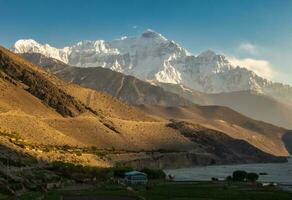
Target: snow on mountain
(152, 57)
(31, 46)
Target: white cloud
(248, 47)
(134, 27)
(261, 67)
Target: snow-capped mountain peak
(152, 35)
(98, 46)
(153, 57)
(31, 46)
(207, 54)
(26, 45)
(25, 42)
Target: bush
(103, 174)
(252, 177)
(214, 179)
(239, 175)
(120, 171)
(80, 172)
(78, 154)
(154, 173)
(229, 178)
(65, 147)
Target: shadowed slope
(59, 130)
(249, 103)
(260, 134)
(32, 100)
(14, 68)
(219, 144)
(123, 87)
(287, 138)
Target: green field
(175, 191)
(2, 196)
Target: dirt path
(121, 86)
(90, 98)
(136, 89)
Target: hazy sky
(253, 33)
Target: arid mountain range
(154, 58)
(124, 87)
(41, 113)
(135, 91)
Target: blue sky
(257, 33)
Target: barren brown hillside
(249, 103)
(37, 104)
(262, 135)
(53, 119)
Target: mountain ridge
(110, 132)
(220, 116)
(135, 91)
(250, 103)
(124, 87)
(152, 57)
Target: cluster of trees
(241, 176)
(154, 173)
(79, 172)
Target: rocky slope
(262, 135)
(38, 85)
(218, 144)
(287, 138)
(249, 103)
(152, 57)
(126, 88)
(44, 110)
(104, 125)
(214, 116)
(215, 148)
(135, 91)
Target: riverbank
(176, 160)
(280, 173)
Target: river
(276, 172)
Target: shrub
(120, 171)
(239, 175)
(228, 178)
(78, 154)
(93, 149)
(79, 172)
(65, 147)
(102, 174)
(252, 177)
(154, 173)
(214, 179)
